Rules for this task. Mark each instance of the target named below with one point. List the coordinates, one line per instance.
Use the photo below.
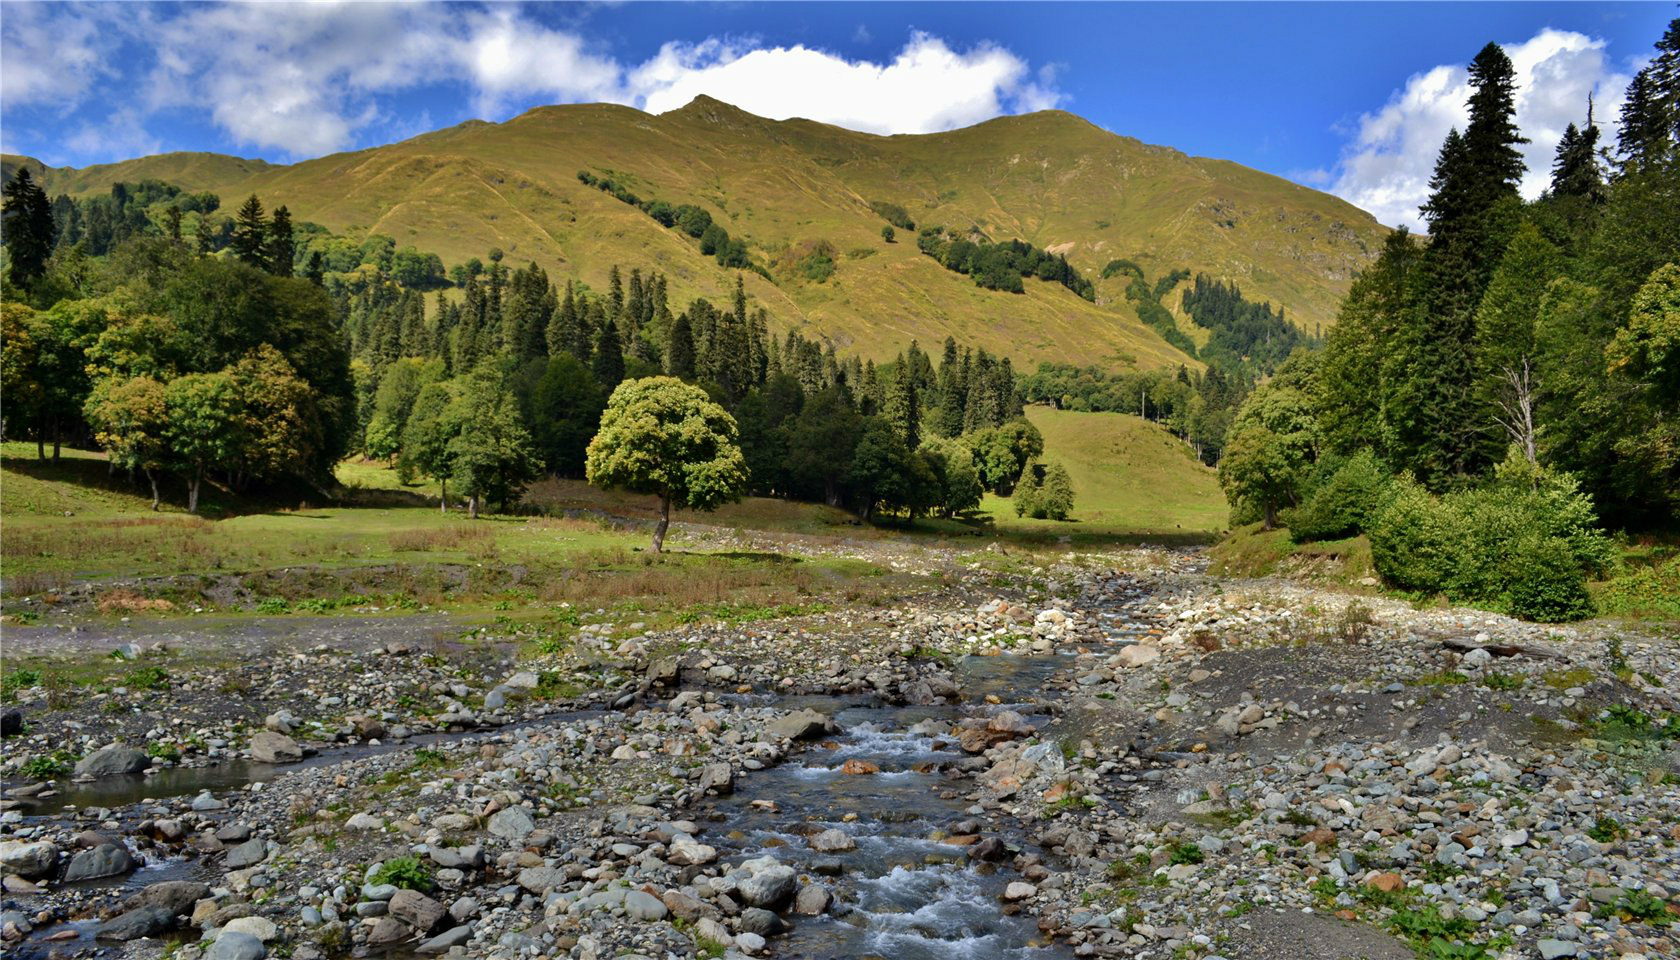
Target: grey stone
(111, 761)
(798, 725)
(812, 900)
(176, 896)
(511, 823)
(141, 922)
(28, 859)
(539, 880)
(271, 747)
(443, 942)
(643, 906)
(1555, 949)
(417, 910)
(248, 854)
(768, 887)
(106, 860)
(233, 945)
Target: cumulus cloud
(1386, 167)
(927, 87)
(308, 79)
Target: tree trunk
(192, 490)
(58, 432)
(472, 506)
(664, 523)
(152, 476)
(41, 439)
(1270, 522)
(443, 496)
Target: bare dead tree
(1516, 407)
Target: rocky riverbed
(1077, 755)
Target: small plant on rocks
(406, 873)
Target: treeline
(185, 359)
(1489, 393)
(1195, 407)
(1247, 336)
(715, 241)
(1000, 266)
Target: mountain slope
(1049, 178)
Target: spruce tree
(280, 250)
(29, 227)
(250, 234)
(608, 362)
(679, 353)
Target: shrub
(407, 873)
(1523, 544)
(1409, 538)
(1343, 501)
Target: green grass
(1249, 551)
(1049, 178)
(1130, 478)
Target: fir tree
(250, 234)
(679, 353)
(608, 362)
(28, 226)
(279, 249)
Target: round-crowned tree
(663, 437)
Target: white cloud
(1386, 167)
(311, 78)
(927, 86)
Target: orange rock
(1386, 882)
(858, 767)
(1347, 915)
(1322, 836)
(1056, 792)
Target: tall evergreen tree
(250, 234)
(28, 226)
(608, 362)
(279, 249)
(679, 352)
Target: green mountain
(795, 188)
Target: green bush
(1523, 544)
(1409, 539)
(1343, 500)
(407, 873)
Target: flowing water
(903, 892)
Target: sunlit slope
(1049, 178)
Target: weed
(1185, 853)
(1503, 681)
(272, 606)
(48, 766)
(1606, 830)
(163, 751)
(407, 873)
(19, 679)
(1642, 906)
(149, 678)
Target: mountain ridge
(1051, 178)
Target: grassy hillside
(1130, 478)
(1049, 178)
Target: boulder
(387, 932)
(812, 900)
(644, 906)
(176, 896)
(271, 747)
(28, 859)
(248, 854)
(260, 927)
(112, 760)
(11, 723)
(107, 860)
(799, 725)
(365, 727)
(445, 941)
(233, 945)
(716, 776)
(417, 910)
(832, 841)
(141, 922)
(511, 823)
(769, 885)
(1138, 654)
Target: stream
(902, 893)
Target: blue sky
(1352, 98)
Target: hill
(1130, 478)
(1049, 178)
